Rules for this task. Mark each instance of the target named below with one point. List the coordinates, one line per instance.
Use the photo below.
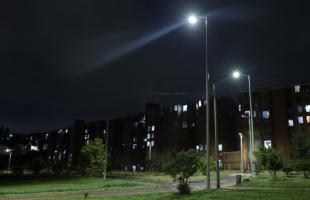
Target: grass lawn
(30, 185)
(150, 176)
(202, 195)
(265, 181)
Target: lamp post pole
(218, 181)
(10, 156)
(207, 112)
(193, 20)
(252, 128)
(236, 75)
(241, 152)
(106, 150)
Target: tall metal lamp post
(193, 20)
(10, 156)
(237, 75)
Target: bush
(184, 188)
(271, 160)
(288, 167)
(157, 163)
(181, 167)
(304, 166)
(203, 163)
(95, 153)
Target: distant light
(236, 74)
(192, 19)
(7, 150)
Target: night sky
(65, 60)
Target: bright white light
(236, 74)
(192, 19)
(7, 150)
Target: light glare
(236, 74)
(192, 19)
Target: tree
(300, 152)
(203, 163)
(181, 167)
(158, 163)
(96, 155)
(271, 160)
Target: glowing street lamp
(192, 19)
(237, 75)
(10, 156)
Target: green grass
(150, 176)
(202, 195)
(29, 185)
(265, 181)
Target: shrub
(203, 163)
(304, 166)
(181, 167)
(95, 154)
(271, 160)
(288, 167)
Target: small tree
(271, 160)
(181, 167)
(288, 167)
(300, 151)
(95, 154)
(203, 163)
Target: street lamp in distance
(236, 75)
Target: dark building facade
(134, 139)
(278, 114)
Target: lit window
(153, 128)
(290, 122)
(220, 147)
(239, 107)
(179, 109)
(66, 131)
(152, 143)
(148, 136)
(299, 108)
(297, 88)
(193, 124)
(267, 144)
(247, 113)
(266, 114)
(254, 113)
(308, 119)
(184, 108)
(134, 146)
(184, 125)
(197, 106)
(307, 108)
(300, 119)
(199, 103)
(176, 108)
